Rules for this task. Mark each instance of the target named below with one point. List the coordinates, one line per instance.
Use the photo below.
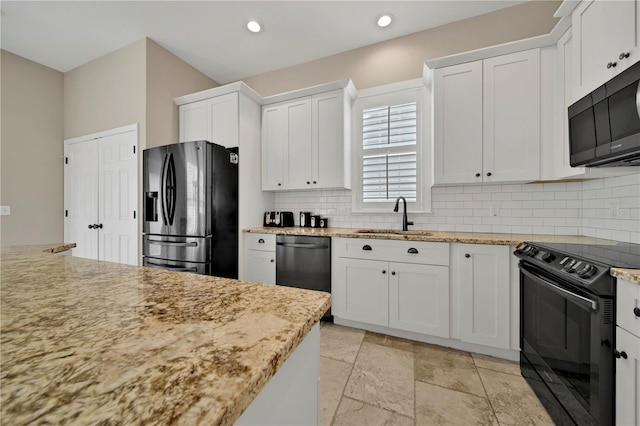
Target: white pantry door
(101, 191)
(117, 206)
(81, 197)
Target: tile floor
(372, 379)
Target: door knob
(366, 247)
(622, 354)
(272, 260)
(90, 226)
(489, 174)
(98, 226)
(477, 174)
(384, 272)
(393, 272)
(611, 65)
(467, 255)
(636, 312)
(623, 55)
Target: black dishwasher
(304, 262)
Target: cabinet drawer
(628, 301)
(264, 242)
(422, 252)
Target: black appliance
(567, 326)
(278, 219)
(305, 219)
(191, 208)
(604, 126)
(304, 262)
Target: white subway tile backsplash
(607, 207)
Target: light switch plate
(5, 210)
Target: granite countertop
(85, 341)
(435, 236)
(632, 275)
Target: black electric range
(567, 326)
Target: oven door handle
(576, 298)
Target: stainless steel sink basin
(392, 232)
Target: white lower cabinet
(419, 298)
(482, 282)
(260, 258)
(627, 378)
(627, 353)
(362, 291)
(401, 295)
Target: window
(388, 149)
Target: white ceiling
(212, 35)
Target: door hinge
(66, 160)
(66, 213)
(134, 214)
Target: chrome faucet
(405, 223)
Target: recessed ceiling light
(385, 20)
(254, 27)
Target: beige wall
(107, 92)
(168, 77)
(403, 58)
(30, 151)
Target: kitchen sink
(391, 232)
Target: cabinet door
(327, 141)
(419, 298)
(81, 198)
(223, 120)
(260, 267)
(118, 198)
(298, 144)
(458, 123)
(483, 293)
(362, 291)
(193, 122)
(274, 153)
(627, 379)
(511, 121)
(602, 31)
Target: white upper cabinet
(487, 120)
(511, 117)
(604, 33)
(306, 139)
(457, 115)
(214, 120)
(297, 142)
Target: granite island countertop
(632, 275)
(85, 341)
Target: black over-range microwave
(604, 126)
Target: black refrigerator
(191, 208)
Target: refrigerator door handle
(173, 243)
(168, 186)
(163, 190)
(171, 267)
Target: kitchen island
(84, 341)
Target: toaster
(278, 219)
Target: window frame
(394, 94)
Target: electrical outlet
(5, 210)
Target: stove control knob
(548, 257)
(587, 271)
(570, 265)
(532, 251)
